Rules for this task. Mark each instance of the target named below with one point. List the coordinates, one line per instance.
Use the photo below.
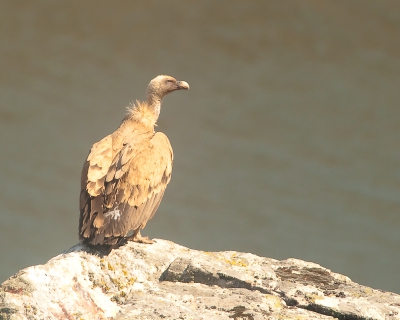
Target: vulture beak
(182, 85)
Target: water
(287, 144)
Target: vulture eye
(170, 81)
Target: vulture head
(161, 86)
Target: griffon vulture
(125, 174)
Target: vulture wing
(123, 192)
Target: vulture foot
(140, 239)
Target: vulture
(125, 174)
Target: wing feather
(99, 161)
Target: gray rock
(168, 281)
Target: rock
(167, 281)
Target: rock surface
(168, 281)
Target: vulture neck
(145, 113)
(154, 103)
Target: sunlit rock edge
(168, 281)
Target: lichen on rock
(168, 281)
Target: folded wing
(122, 192)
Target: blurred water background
(287, 144)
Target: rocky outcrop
(168, 281)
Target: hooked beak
(182, 85)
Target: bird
(126, 173)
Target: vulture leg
(137, 237)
